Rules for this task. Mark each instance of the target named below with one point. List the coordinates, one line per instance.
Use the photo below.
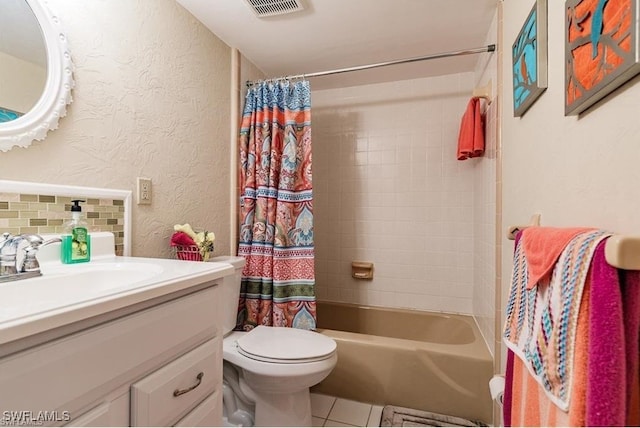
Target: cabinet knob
(179, 392)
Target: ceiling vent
(264, 8)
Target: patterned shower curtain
(276, 212)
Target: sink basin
(66, 294)
(78, 283)
(102, 276)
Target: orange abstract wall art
(601, 50)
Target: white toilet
(269, 370)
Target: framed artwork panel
(601, 50)
(529, 53)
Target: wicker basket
(188, 252)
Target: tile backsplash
(29, 213)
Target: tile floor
(327, 411)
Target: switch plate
(144, 191)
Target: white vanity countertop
(65, 294)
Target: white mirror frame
(52, 105)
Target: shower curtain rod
(488, 48)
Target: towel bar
(483, 92)
(513, 230)
(621, 251)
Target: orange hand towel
(471, 136)
(542, 248)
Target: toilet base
(245, 407)
(284, 409)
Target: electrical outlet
(144, 191)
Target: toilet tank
(230, 291)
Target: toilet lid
(285, 345)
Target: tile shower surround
(42, 214)
(388, 189)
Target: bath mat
(393, 416)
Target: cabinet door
(167, 394)
(108, 414)
(207, 414)
(92, 363)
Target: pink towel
(612, 395)
(543, 246)
(508, 375)
(606, 386)
(507, 397)
(182, 239)
(471, 137)
(630, 281)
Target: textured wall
(151, 99)
(575, 171)
(388, 189)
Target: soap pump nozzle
(76, 209)
(76, 205)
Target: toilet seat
(285, 345)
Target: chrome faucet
(10, 268)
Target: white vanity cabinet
(109, 413)
(177, 387)
(157, 363)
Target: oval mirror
(36, 72)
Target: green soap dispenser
(76, 242)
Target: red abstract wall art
(601, 50)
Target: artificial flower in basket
(191, 245)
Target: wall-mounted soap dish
(362, 270)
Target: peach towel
(471, 136)
(530, 406)
(542, 248)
